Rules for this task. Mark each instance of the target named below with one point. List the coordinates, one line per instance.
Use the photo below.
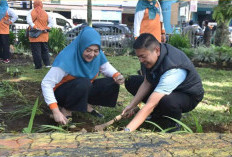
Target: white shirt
(56, 74)
(13, 16)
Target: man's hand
(128, 111)
(163, 38)
(59, 117)
(119, 79)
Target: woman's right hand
(59, 117)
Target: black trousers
(4, 46)
(172, 105)
(39, 53)
(76, 94)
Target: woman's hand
(7, 22)
(59, 117)
(119, 79)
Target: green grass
(213, 110)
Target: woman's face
(90, 53)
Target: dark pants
(39, 53)
(4, 46)
(76, 94)
(171, 105)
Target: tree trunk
(222, 35)
(89, 13)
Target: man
(149, 19)
(207, 35)
(7, 17)
(191, 32)
(171, 85)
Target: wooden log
(115, 144)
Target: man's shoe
(96, 114)
(6, 61)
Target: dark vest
(171, 58)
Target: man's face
(148, 57)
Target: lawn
(20, 86)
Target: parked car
(112, 35)
(59, 21)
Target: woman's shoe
(96, 114)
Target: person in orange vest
(37, 18)
(149, 19)
(7, 17)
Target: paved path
(116, 144)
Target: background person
(70, 83)
(207, 35)
(7, 17)
(149, 19)
(190, 32)
(37, 18)
(171, 85)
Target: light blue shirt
(170, 80)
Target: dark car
(112, 35)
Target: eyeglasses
(90, 51)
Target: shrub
(23, 40)
(224, 54)
(179, 41)
(204, 54)
(189, 52)
(57, 40)
(12, 38)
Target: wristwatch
(127, 130)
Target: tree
(89, 13)
(222, 14)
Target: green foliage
(52, 128)
(33, 113)
(23, 40)
(204, 54)
(199, 128)
(189, 52)
(179, 41)
(57, 40)
(184, 126)
(224, 54)
(12, 38)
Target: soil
(31, 90)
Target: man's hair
(147, 41)
(191, 22)
(206, 22)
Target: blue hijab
(70, 58)
(3, 8)
(144, 4)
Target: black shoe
(177, 127)
(96, 114)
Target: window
(21, 20)
(61, 22)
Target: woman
(7, 17)
(39, 19)
(70, 83)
